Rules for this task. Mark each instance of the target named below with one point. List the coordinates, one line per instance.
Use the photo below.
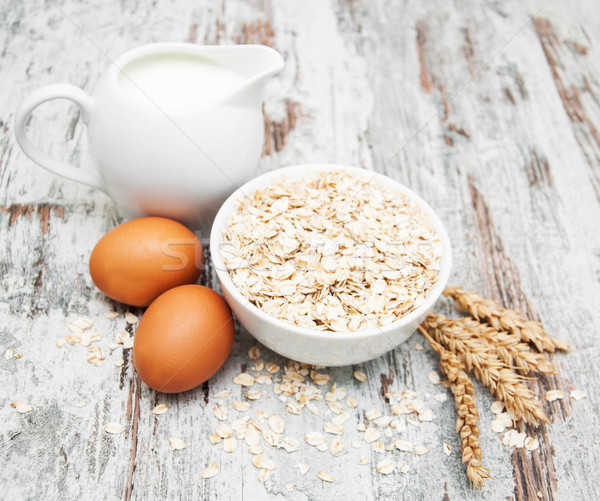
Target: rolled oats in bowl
(332, 251)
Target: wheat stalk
(480, 357)
(506, 345)
(466, 422)
(503, 319)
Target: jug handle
(47, 93)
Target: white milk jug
(173, 128)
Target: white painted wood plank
(365, 77)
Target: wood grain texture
(489, 110)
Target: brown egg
(184, 337)
(137, 261)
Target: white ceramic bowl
(309, 345)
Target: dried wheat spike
(503, 319)
(507, 346)
(480, 358)
(464, 399)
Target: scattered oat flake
(360, 376)
(312, 408)
(421, 450)
(239, 424)
(497, 407)
(244, 379)
(403, 445)
(413, 422)
(333, 428)
(426, 415)
(60, 342)
(404, 469)
(363, 460)
(315, 438)
(255, 449)
(253, 353)
(263, 379)
(519, 440)
(253, 395)
(74, 328)
(293, 408)
(372, 414)
(418, 347)
(258, 366)
(276, 423)
(265, 463)
(240, 406)
(303, 468)
(272, 368)
(440, 397)
(290, 487)
(335, 407)
(498, 426)
(83, 323)
(447, 449)
(513, 438)
(211, 470)
(160, 409)
(222, 394)
(230, 444)
(114, 428)
(119, 363)
(214, 438)
(176, 444)
(131, 318)
(122, 337)
(83, 403)
(325, 476)
(319, 378)
(21, 407)
(553, 395)
(351, 402)
(263, 475)
(371, 434)
(8, 354)
(220, 412)
(356, 444)
(96, 358)
(111, 315)
(531, 443)
(505, 418)
(290, 444)
(385, 466)
(383, 421)
(341, 418)
(578, 395)
(224, 430)
(434, 377)
(378, 447)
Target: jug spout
(255, 62)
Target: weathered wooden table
(490, 110)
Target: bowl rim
(302, 170)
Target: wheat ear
(466, 422)
(479, 357)
(506, 345)
(503, 319)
